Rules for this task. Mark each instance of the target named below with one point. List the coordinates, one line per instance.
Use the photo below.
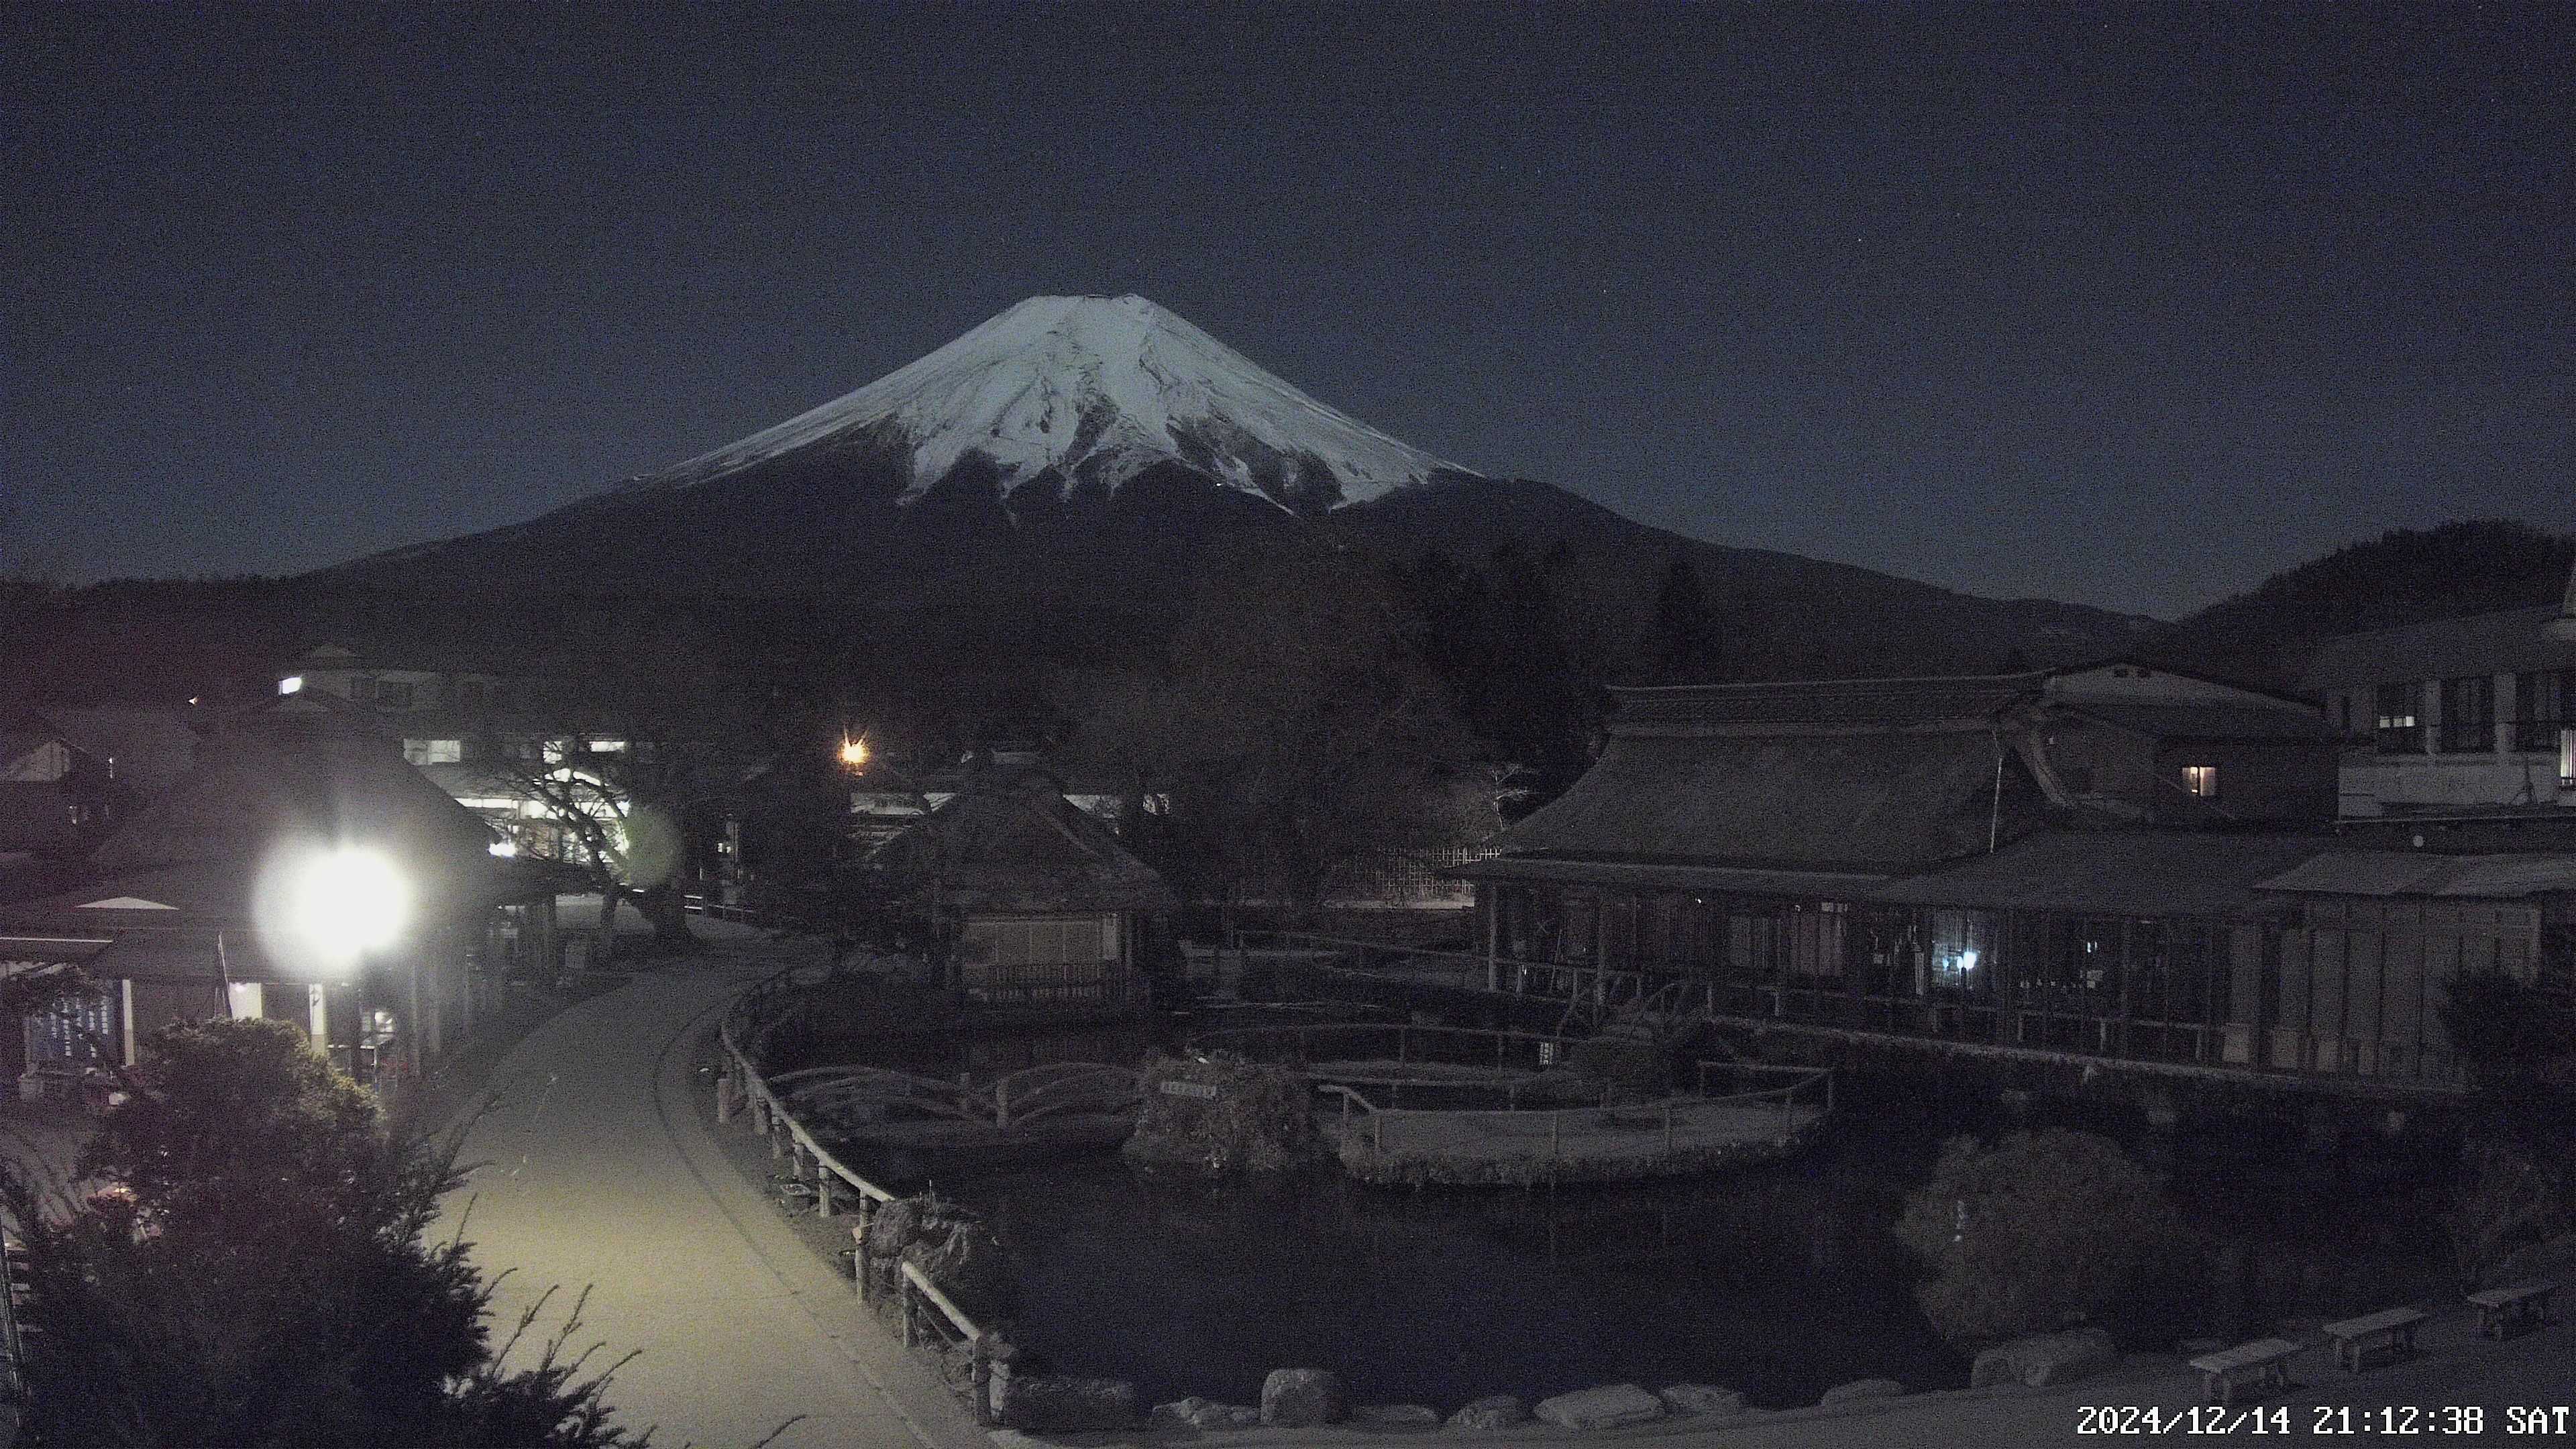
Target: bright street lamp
(349, 901)
(324, 910)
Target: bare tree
(1295, 728)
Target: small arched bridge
(1031, 1095)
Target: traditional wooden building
(69, 775)
(2357, 943)
(183, 913)
(1032, 901)
(2113, 861)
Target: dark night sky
(2130, 306)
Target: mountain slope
(1087, 459)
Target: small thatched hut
(1028, 900)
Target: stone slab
(1707, 1400)
(2043, 1359)
(1859, 1390)
(1494, 1411)
(1606, 1407)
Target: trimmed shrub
(2033, 1233)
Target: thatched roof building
(1008, 842)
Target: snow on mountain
(1098, 388)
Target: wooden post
(911, 1312)
(726, 1103)
(859, 1265)
(979, 1381)
(824, 1180)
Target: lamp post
(344, 904)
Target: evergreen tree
(1682, 646)
(249, 1266)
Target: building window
(607, 747)
(2401, 719)
(433, 752)
(2468, 715)
(2544, 704)
(2200, 781)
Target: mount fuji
(1078, 391)
(1084, 461)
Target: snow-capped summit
(1096, 389)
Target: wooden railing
(1813, 1083)
(1354, 1040)
(926, 1311)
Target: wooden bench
(2265, 1360)
(2391, 1331)
(2522, 1305)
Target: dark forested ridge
(2404, 576)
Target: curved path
(599, 1170)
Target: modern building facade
(2453, 715)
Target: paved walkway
(600, 1170)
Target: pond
(1779, 1281)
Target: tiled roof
(2509, 639)
(1963, 700)
(2205, 721)
(1648, 876)
(2111, 873)
(2414, 873)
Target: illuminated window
(2201, 781)
(607, 747)
(2400, 719)
(433, 752)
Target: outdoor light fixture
(334, 904)
(291, 684)
(854, 753)
(504, 848)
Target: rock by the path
(1396, 1416)
(1494, 1411)
(1859, 1389)
(1061, 1403)
(2043, 1359)
(1707, 1399)
(1301, 1398)
(1606, 1407)
(1198, 1413)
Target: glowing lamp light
(854, 753)
(1967, 960)
(348, 901)
(291, 684)
(504, 848)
